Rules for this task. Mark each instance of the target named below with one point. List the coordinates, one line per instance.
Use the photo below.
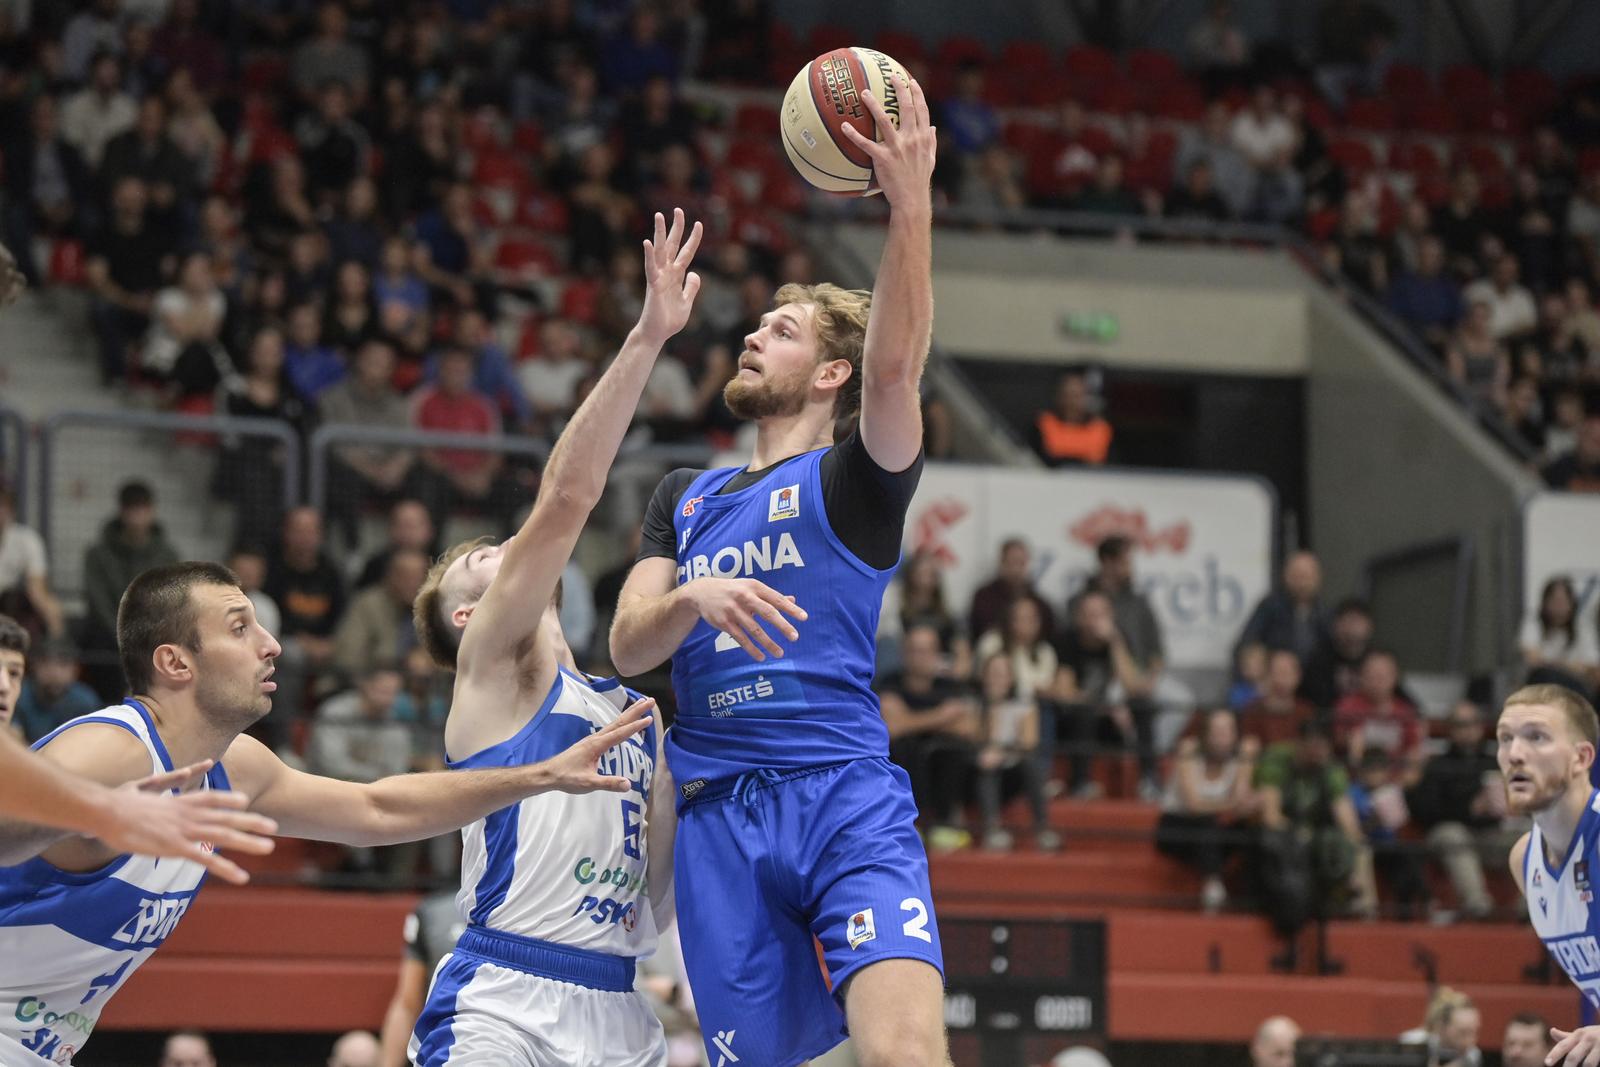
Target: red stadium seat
(1370, 113)
(580, 301)
(543, 213)
(1406, 80)
(757, 119)
(1589, 161)
(1416, 158)
(1153, 67)
(906, 47)
(528, 138)
(960, 50)
(1182, 102)
(1497, 120)
(525, 257)
(1115, 95)
(1041, 87)
(1087, 64)
(1531, 92)
(1025, 55)
(1481, 157)
(1432, 114)
(825, 37)
(1024, 137)
(1467, 85)
(1354, 154)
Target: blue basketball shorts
(775, 861)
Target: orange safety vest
(1087, 442)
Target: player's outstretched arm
(900, 326)
(576, 474)
(411, 807)
(45, 803)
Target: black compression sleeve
(866, 504)
(659, 537)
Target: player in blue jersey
(553, 889)
(1547, 738)
(78, 920)
(763, 584)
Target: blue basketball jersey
(1561, 901)
(814, 706)
(69, 941)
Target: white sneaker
(1149, 790)
(998, 841)
(1213, 895)
(1088, 791)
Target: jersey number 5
(631, 825)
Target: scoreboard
(1013, 986)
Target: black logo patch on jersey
(691, 789)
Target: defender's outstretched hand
(669, 285)
(577, 769)
(1575, 1048)
(903, 161)
(148, 820)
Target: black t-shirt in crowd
(1090, 667)
(312, 601)
(866, 505)
(920, 701)
(134, 260)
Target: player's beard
(1547, 793)
(229, 704)
(766, 397)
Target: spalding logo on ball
(825, 96)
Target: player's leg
(475, 1017)
(896, 1012)
(870, 903)
(758, 990)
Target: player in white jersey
(554, 889)
(79, 919)
(1548, 735)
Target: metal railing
(192, 462)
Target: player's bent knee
(896, 1011)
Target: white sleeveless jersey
(558, 867)
(69, 941)
(1561, 901)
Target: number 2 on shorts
(917, 925)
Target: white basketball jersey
(69, 941)
(1561, 901)
(558, 867)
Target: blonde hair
(840, 320)
(1445, 1003)
(431, 616)
(1579, 712)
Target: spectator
(277, 206)
(1260, 133)
(1217, 46)
(1578, 471)
(1566, 419)
(352, 318)
(329, 56)
(1583, 220)
(187, 1048)
(1209, 795)
(377, 627)
(634, 57)
(249, 565)
(1512, 312)
(423, 706)
(46, 185)
(358, 1048)
(183, 45)
(1008, 762)
(250, 471)
(1581, 313)
(1526, 1042)
(13, 665)
(310, 365)
(1022, 639)
(1356, 250)
(1381, 810)
(147, 153)
(968, 117)
(1291, 617)
(1274, 1041)
(474, 478)
(991, 186)
(447, 238)
(1072, 432)
(25, 592)
(1098, 679)
(1459, 803)
(1280, 192)
(369, 399)
(130, 543)
(1197, 197)
(1354, 39)
(1013, 581)
(356, 232)
(1556, 645)
(355, 738)
(1071, 156)
(309, 591)
(333, 146)
(1108, 194)
(1231, 173)
(96, 29)
(492, 375)
(1276, 713)
(1415, 227)
(550, 377)
(184, 352)
(232, 260)
(1449, 1029)
(1313, 858)
(1249, 670)
(1461, 224)
(1477, 362)
(1137, 624)
(1331, 671)
(422, 163)
(1376, 717)
(128, 260)
(932, 732)
(52, 693)
(1427, 299)
(308, 275)
(97, 112)
(921, 602)
(410, 529)
(1522, 412)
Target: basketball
(822, 99)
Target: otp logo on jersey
(615, 912)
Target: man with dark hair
(13, 665)
(130, 543)
(1292, 616)
(1460, 804)
(187, 1048)
(200, 670)
(52, 693)
(1014, 579)
(1526, 1042)
(1331, 671)
(934, 729)
(308, 588)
